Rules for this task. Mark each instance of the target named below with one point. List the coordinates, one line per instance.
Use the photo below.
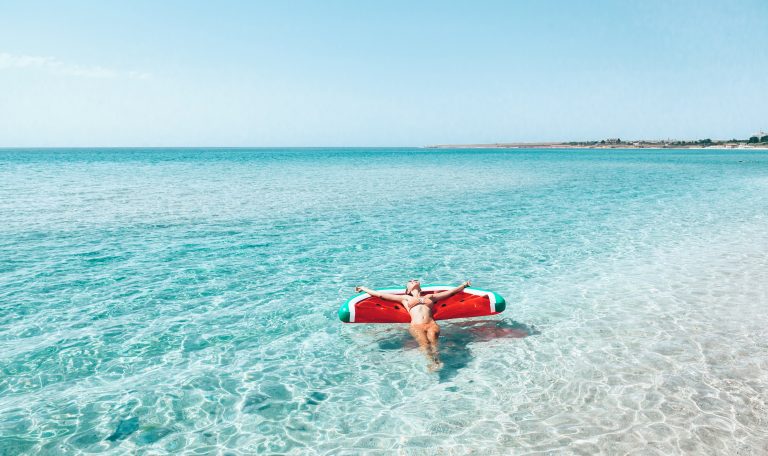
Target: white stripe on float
(492, 299)
(475, 292)
(351, 306)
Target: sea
(157, 301)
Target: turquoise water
(185, 300)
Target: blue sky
(387, 73)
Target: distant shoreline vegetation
(759, 141)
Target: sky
(379, 73)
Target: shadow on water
(455, 338)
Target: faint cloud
(55, 65)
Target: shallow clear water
(185, 300)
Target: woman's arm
(449, 293)
(378, 294)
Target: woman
(423, 327)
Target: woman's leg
(419, 333)
(433, 333)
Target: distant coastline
(759, 141)
(556, 145)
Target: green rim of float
(344, 314)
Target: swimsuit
(420, 303)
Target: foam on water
(184, 300)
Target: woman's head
(412, 286)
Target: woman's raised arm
(378, 294)
(449, 293)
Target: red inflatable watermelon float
(470, 302)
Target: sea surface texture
(184, 300)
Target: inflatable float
(470, 302)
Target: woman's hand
(467, 284)
(358, 289)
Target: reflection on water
(456, 338)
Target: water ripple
(159, 301)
